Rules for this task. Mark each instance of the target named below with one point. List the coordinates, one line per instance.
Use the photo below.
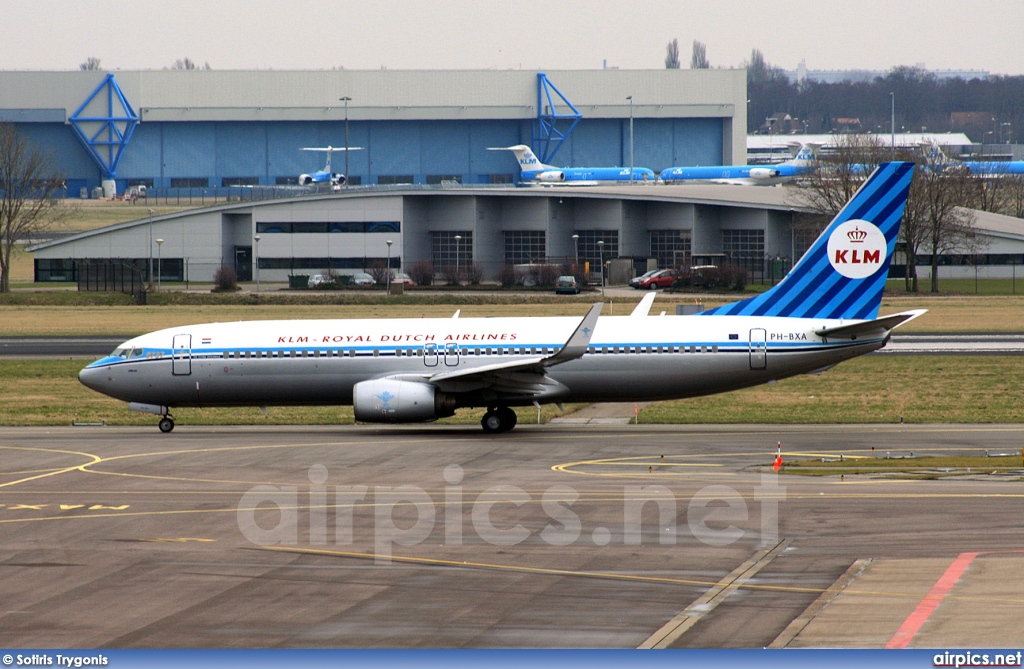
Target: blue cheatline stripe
(813, 288)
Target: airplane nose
(90, 377)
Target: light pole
(1008, 127)
(150, 248)
(576, 246)
(630, 98)
(458, 272)
(892, 129)
(257, 263)
(346, 100)
(389, 243)
(600, 247)
(159, 264)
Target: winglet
(643, 308)
(580, 339)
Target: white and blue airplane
(326, 175)
(749, 175)
(415, 370)
(531, 170)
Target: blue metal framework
(105, 132)
(547, 138)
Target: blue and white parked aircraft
(412, 370)
(325, 175)
(748, 175)
(531, 170)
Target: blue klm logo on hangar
(104, 124)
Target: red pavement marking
(905, 634)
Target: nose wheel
(166, 424)
(500, 419)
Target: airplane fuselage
(317, 362)
(752, 175)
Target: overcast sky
(476, 34)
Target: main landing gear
(498, 419)
(166, 424)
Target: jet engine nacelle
(305, 180)
(338, 178)
(551, 175)
(763, 173)
(392, 401)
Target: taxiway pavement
(597, 536)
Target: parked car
(319, 281)
(567, 285)
(361, 279)
(403, 278)
(662, 278)
(635, 282)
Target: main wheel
(492, 422)
(508, 418)
(165, 424)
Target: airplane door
(451, 354)
(181, 360)
(430, 355)
(758, 349)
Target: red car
(662, 278)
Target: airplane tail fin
(527, 159)
(803, 154)
(843, 273)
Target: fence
(112, 276)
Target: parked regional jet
(533, 171)
(749, 175)
(416, 370)
(325, 175)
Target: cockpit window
(135, 353)
(120, 353)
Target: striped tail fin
(843, 273)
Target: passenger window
(714, 348)
(376, 352)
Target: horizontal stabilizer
(878, 326)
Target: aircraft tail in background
(843, 274)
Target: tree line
(923, 101)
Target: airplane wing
(525, 377)
(643, 308)
(877, 327)
(571, 350)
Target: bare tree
(30, 186)
(937, 219)
(189, 64)
(672, 55)
(91, 63)
(1013, 195)
(699, 56)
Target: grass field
(919, 389)
(919, 467)
(874, 389)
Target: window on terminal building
(393, 179)
(525, 246)
(228, 182)
(437, 179)
(190, 182)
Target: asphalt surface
(547, 536)
(900, 344)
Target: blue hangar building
(212, 129)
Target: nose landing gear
(498, 419)
(166, 424)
